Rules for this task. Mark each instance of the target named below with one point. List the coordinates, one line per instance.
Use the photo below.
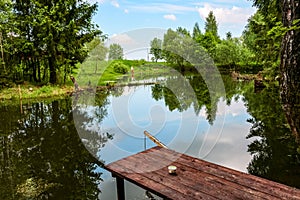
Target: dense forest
(41, 41)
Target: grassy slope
(99, 73)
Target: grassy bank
(91, 73)
(88, 73)
(100, 73)
(29, 91)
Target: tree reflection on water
(274, 151)
(42, 155)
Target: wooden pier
(194, 179)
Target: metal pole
(155, 140)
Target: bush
(120, 68)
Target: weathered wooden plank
(192, 182)
(196, 178)
(162, 177)
(152, 183)
(247, 180)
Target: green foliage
(156, 49)
(97, 50)
(211, 25)
(115, 52)
(196, 31)
(172, 41)
(210, 38)
(183, 32)
(224, 54)
(229, 36)
(47, 37)
(180, 50)
(232, 52)
(263, 35)
(209, 42)
(119, 67)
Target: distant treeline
(258, 49)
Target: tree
(211, 25)
(97, 51)
(290, 65)
(263, 38)
(96, 48)
(181, 50)
(5, 29)
(173, 47)
(196, 31)
(168, 44)
(183, 32)
(49, 36)
(287, 31)
(264, 33)
(210, 38)
(115, 52)
(209, 42)
(156, 49)
(228, 36)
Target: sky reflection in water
(135, 110)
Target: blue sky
(118, 16)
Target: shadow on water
(41, 155)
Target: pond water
(52, 148)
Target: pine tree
(211, 25)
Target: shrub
(120, 68)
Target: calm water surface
(50, 149)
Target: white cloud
(96, 1)
(161, 7)
(121, 39)
(126, 11)
(115, 3)
(170, 17)
(236, 15)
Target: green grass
(97, 73)
(29, 91)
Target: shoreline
(32, 92)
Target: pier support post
(120, 188)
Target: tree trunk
(52, 67)
(290, 66)
(38, 70)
